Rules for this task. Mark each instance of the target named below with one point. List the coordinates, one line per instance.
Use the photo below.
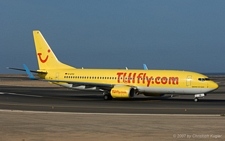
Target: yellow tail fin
(45, 56)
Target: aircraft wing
(85, 85)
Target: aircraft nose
(214, 85)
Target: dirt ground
(23, 80)
(43, 126)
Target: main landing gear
(107, 95)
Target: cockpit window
(203, 79)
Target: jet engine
(122, 92)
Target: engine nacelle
(122, 92)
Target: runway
(65, 100)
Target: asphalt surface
(65, 100)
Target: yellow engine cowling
(122, 92)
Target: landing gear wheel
(107, 97)
(196, 99)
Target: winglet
(30, 75)
(145, 67)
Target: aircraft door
(188, 80)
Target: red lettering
(142, 78)
(139, 77)
(143, 81)
(119, 92)
(124, 78)
(119, 75)
(129, 77)
(149, 81)
(134, 78)
(164, 80)
(173, 80)
(157, 80)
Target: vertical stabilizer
(45, 56)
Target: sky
(164, 34)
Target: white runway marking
(2, 93)
(23, 95)
(109, 114)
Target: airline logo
(119, 92)
(123, 77)
(40, 58)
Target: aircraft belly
(161, 90)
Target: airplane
(118, 83)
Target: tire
(196, 99)
(107, 97)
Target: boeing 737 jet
(118, 83)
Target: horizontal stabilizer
(41, 72)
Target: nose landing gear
(196, 99)
(197, 96)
